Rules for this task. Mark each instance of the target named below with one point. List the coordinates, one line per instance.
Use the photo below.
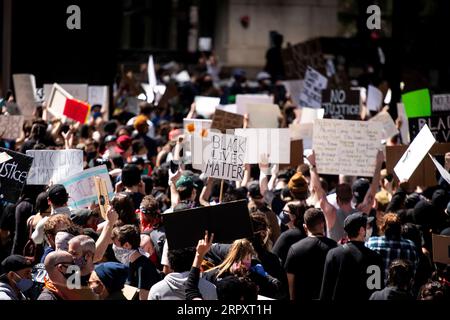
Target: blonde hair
(238, 251)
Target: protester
(399, 282)
(306, 258)
(107, 281)
(15, 278)
(82, 249)
(346, 268)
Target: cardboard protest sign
(341, 104)
(14, 170)
(77, 91)
(441, 249)
(224, 120)
(11, 127)
(56, 102)
(416, 151)
(303, 131)
(54, 165)
(346, 147)
(99, 95)
(271, 142)
(296, 155)
(102, 195)
(417, 103)
(228, 222)
(262, 115)
(374, 99)
(389, 128)
(424, 174)
(25, 93)
(205, 106)
(243, 99)
(441, 103)
(404, 128)
(444, 173)
(81, 186)
(311, 94)
(225, 157)
(438, 124)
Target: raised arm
(206, 192)
(244, 181)
(174, 196)
(264, 171)
(105, 237)
(328, 209)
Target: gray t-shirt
(337, 231)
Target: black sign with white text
(439, 126)
(341, 104)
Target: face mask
(122, 255)
(284, 217)
(81, 261)
(368, 233)
(24, 284)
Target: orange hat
(140, 121)
(298, 186)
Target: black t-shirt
(306, 260)
(142, 273)
(285, 241)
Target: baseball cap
(110, 138)
(14, 263)
(354, 222)
(123, 143)
(254, 190)
(186, 182)
(359, 189)
(57, 192)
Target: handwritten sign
(413, 156)
(99, 95)
(11, 127)
(346, 147)
(226, 157)
(389, 128)
(314, 83)
(81, 186)
(54, 165)
(439, 126)
(441, 102)
(25, 93)
(341, 104)
(271, 142)
(223, 120)
(13, 174)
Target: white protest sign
(204, 44)
(374, 98)
(346, 147)
(197, 127)
(228, 108)
(404, 129)
(77, 91)
(54, 165)
(25, 93)
(81, 186)
(314, 83)
(415, 153)
(272, 142)
(263, 115)
(99, 95)
(206, 106)
(389, 128)
(444, 173)
(302, 131)
(57, 100)
(224, 157)
(11, 127)
(309, 115)
(294, 88)
(243, 99)
(4, 157)
(441, 102)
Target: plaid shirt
(392, 249)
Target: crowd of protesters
(313, 237)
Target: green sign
(417, 103)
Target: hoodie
(173, 287)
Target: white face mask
(122, 255)
(368, 233)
